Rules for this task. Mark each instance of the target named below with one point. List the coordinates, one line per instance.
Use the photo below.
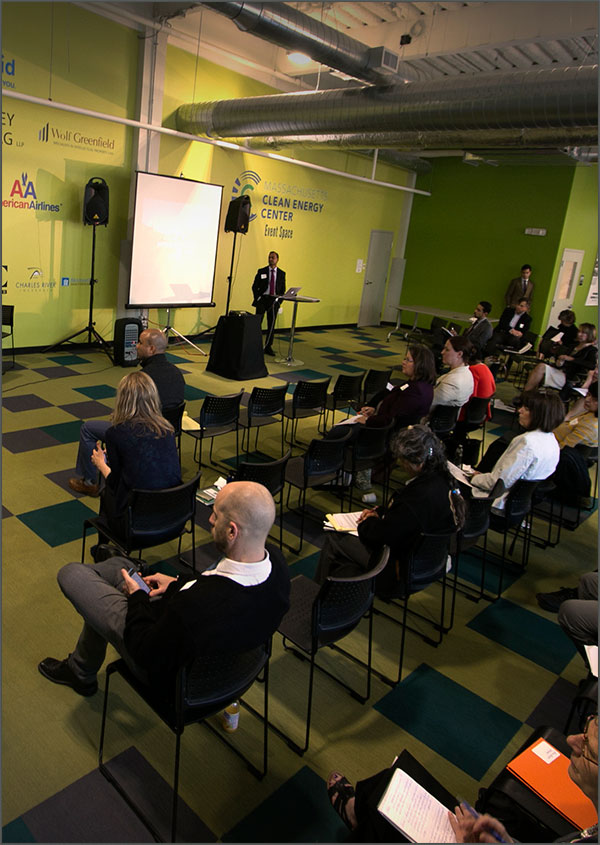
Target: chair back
(156, 516)
(370, 445)
(476, 410)
(519, 501)
(324, 457)
(443, 419)
(427, 560)
(588, 453)
(266, 401)
(342, 602)
(310, 394)
(375, 381)
(270, 474)
(174, 415)
(347, 387)
(211, 682)
(438, 323)
(8, 315)
(220, 410)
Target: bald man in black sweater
(234, 607)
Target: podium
(236, 351)
(289, 359)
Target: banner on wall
(278, 207)
(592, 297)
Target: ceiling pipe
(290, 29)
(421, 141)
(508, 103)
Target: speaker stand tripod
(229, 281)
(91, 325)
(169, 328)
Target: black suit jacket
(507, 315)
(260, 285)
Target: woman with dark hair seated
(140, 449)
(561, 338)
(531, 456)
(429, 503)
(583, 357)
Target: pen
(475, 815)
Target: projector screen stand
(169, 328)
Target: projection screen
(174, 248)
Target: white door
(566, 284)
(378, 262)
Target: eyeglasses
(586, 742)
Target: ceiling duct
(293, 30)
(555, 138)
(507, 104)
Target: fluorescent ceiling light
(299, 59)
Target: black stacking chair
(272, 476)
(517, 517)
(443, 419)
(219, 415)
(418, 336)
(308, 400)
(322, 463)
(369, 448)
(476, 417)
(319, 616)
(153, 517)
(375, 381)
(203, 688)
(264, 404)
(427, 560)
(174, 415)
(8, 320)
(346, 391)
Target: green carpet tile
(437, 711)
(462, 709)
(526, 633)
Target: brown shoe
(81, 486)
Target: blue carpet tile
(28, 440)
(58, 524)
(65, 360)
(525, 633)
(67, 432)
(433, 708)
(175, 359)
(29, 402)
(306, 566)
(17, 831)
(98, 391)
(299, 811)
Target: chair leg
(175, 786)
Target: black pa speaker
(127, 333)
(95, 202)
(238, 215)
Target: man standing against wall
(268, 283)
(520, 287)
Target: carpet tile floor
(462, 709)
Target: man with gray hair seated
(151, 348)
(233, 607)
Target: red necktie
(272, 283)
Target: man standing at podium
(268, 283)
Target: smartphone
(132, 572)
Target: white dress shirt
(246, 574)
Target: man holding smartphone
(232, 607)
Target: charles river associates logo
(31, 281)
(23, 196)
(50, 133)
(244, 184)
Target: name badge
(263, 275)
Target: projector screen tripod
(91, 325)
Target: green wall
(467, 240)
(48, 157)
(580, 231)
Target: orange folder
(551, 782)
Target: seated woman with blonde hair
(140, 449)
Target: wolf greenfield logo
(44, 133)
(244, 184)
